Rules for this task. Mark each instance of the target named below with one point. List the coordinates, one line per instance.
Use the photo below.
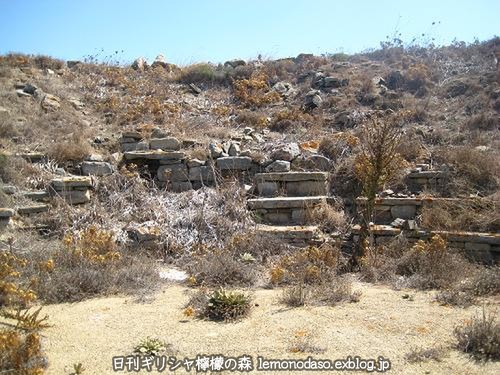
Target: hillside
(307, 175)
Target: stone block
(96, 168)
(173, 172)
(404, 212)
(167, 143)
(305, 188)
(267, 189)
(240, 163)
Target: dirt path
(381, 324)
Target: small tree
(377, 163)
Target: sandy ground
(381, 324)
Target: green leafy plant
(151, 347)
(227, 305)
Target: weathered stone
(36, 195)
(6, 213)
(474, 246)
(74, 196)
(173, 172)
(9, 189)
(136, 146)
(318, 162)
(298, 215)
(168, 143)
(77, 104)
(334, 82)
(96, 168)
(201, 173)
(153, 155)
(160, 61)
(159, 133)
(195, 163)
(234, 163)
(34, 209)
(287, 152)
(143, 233)
(292, 176)
(267, 189)
(139, 64)
(234, 149)
(71, 182)
(285, 202)
(72, 63)
(50, 103)
(94, 157)
(132, 134)
(234, 63)
(404, 211)
(215, 150)
(277, 217)
(278, 166)
(306, 188)
(312, 100)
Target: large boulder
(140, 64)
(312, 100)
(167, 143)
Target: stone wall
(292, 184)
(484, 247)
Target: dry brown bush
(329, 218)
(417, 355)
(74, 151)
(474, 171)
(480, 337)
(480, 215)
(483, 121)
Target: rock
(234, 63)
(234, 163)
(9, 189)
(135, 146)
(215, 150)
(387, 193)
(94, 157)
(201, 173)
(6, 213)
(173, 172)
(285, 89)
(33, 209)
(334, 82)
(159, 133)
(21, 93)
(234, 149)
(74, 196)
(287, 152)
(72, 63)
(398, 223)
(160, 61)
(167, 144)
(140, 64)
(96, 168)
(192, 163)
(180, 186)
(314, 162)
(132, 134)
(278, 166)
(154, 155)
(66, 183)
(404, 211)
(248, 131)
(194, 89)
(38, 196)
(143, 233)
(30, 89)
(312, 100)
(77, 104)
(50, 103)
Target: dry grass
(480, 337)
(417, 355)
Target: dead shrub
(480, 215)
(255, 91)
(74, 151)
(484, 282)
(202, 73)
(252, 119)
(483, 122)
(295, 295)
(330, 218)
(473, 170)
(480, 337)
(288, 119)
(91, 264)
(418, 355)
(455, 297)
(425, 265)
(338, 145)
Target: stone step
(298, 235)
(292, 184)
(38, 196)
(284, 210)
(153, 155)
(33, 209)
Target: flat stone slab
(6, 213)
(153, 155)
(34, 209)
(36, 195)
(71, 182)
(427, 174)
(240, 163)
(285, 202)
(292, 176)
(303, 232)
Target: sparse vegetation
(219, 305)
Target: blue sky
(188, 31)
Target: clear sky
(188, 31)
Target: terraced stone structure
(283, 202)
(74, 189)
